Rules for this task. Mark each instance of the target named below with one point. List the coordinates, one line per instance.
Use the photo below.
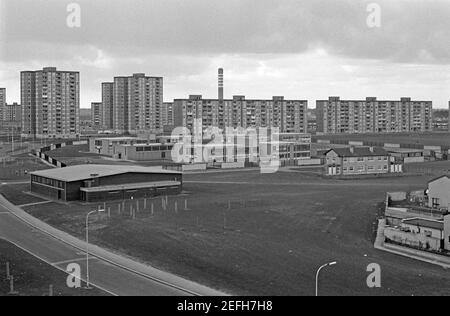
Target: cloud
(303, 49)
(411, 31)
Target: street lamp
(87, 245)
(317, 274)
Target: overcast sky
(302, 49)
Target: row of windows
(49, 182)
(362, 169)
(361, 159)
(154, 148)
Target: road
(110, 272)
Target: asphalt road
(104, 275)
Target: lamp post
(87, 246)
(318, 272)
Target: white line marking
(56, 267)
(72, 261)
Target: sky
(302, 49)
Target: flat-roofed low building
(94, 183)
(144, 152)
(426, 234)
(105, 145)
(407, 155)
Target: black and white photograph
(224, 156)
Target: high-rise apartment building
(287, 115)
(167, 115)
(137, 103)
(2, 103)
(97, 114)
(50, 103)
(336, 116)
(12, 113)
(108, 105)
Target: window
(435, 202)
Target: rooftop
(359, 152)
(403, 150)
(117, 138)
(438, 178)
(85, 172)
(421, 222)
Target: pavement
(110, 272)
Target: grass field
(33, 277)
(427, 139)
(254, 234)
(20, 167)
(17, 194)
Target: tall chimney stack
(221, 85)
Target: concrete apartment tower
(97, 114)
(2, 103)
(50, 103)
(449, 116)
(107, 105)
(137, 103)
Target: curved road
(110, 272)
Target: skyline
(309, 50)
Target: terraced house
(358, 161)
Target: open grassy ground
(20, 167)
(17, 194)
(33, 277)
(427, 139)
(278, 230)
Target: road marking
(49, 263)
(72, 261)
(5, 213)
(99, 257)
